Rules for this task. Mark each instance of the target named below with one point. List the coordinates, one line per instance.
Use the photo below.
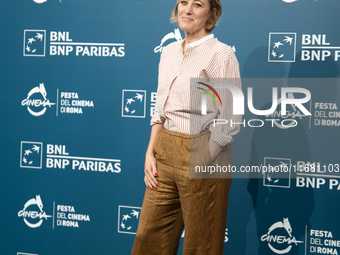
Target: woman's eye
(183, 2)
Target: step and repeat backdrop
(78, 89)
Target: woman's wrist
(150, 152)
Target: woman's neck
(193, 37)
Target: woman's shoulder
(170, 48)
(222, 51)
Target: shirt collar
(200, 41)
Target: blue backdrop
(72, 147)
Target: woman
(181, 135)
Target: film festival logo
(36, 101)
(34, 43)
(33, 213)
(128, 217)
(279, 237)
(282, 47)
(134, 103)
(278, 172)
(172, 35)
(31, 155)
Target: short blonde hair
(212, 21)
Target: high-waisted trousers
(197, 204)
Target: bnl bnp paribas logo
(134, 103)
(57, 157)
(314, 47)
(60, 43)
(31, 155)
(35, 43)
(282, 47)
(278, 172)
(128, 218)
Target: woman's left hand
(214, 149)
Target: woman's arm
(221, 135)
(150, 169)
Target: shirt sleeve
(156, 118)
(222, 131)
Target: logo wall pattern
(79, 87)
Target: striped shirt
(178, 103)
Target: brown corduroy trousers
(198, 204)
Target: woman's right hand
(150, 171)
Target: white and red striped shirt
(178, 104)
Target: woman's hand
(150, 171)
(214, 149)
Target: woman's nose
(188, 9)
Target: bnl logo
(34, 43)
(133, 103)
(128, 218)
(31, 154)
(278, 172)
(282, 47)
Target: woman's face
(193, 15)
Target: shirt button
(187, 53)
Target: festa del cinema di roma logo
(32, 217)
(36, 101)
(65, 215)
(172, 35)
(279, 240)
(238, 104)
